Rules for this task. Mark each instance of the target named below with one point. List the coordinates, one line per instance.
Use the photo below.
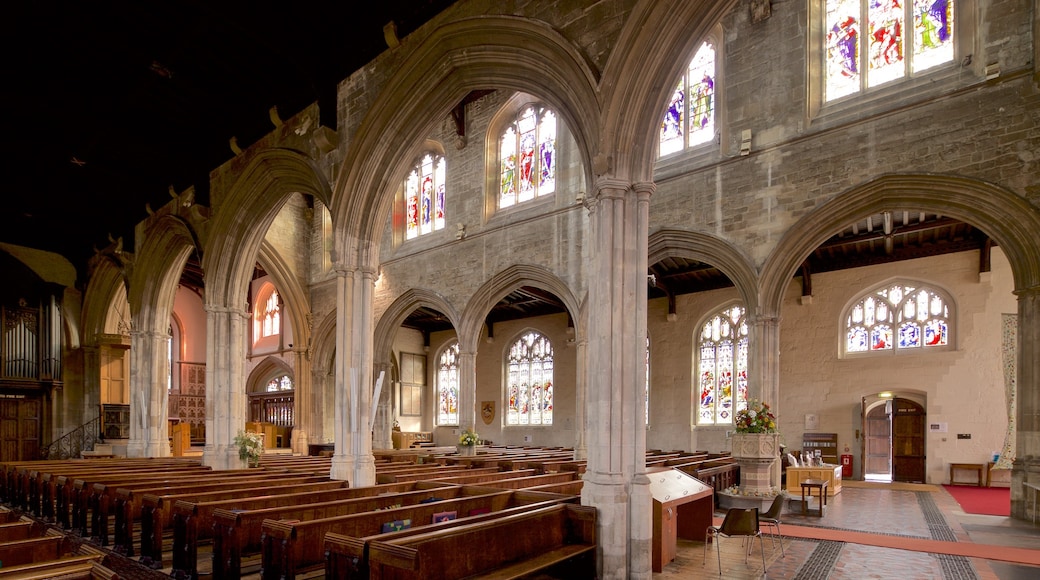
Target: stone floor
(914, 511)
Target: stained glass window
(690, 122)
(872, 42)
(722, 366)
(448, 386)
(527, 159)
(282, 383)
(898, 317)
(529, 387)
(424, 197)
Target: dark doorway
(908, 428)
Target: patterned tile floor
(917, 511)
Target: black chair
(742, 522)
(771, 518)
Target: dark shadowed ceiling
(106, 105)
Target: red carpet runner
(993, 501)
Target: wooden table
(978, 468)
(810, 484)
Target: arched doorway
(271, 404)
(894, 440)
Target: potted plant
(250, 447)
(756, 445)
(468, 441)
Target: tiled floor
(915, 511)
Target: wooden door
(877, 436)
(20, 429)
(908, 457)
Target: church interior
(591, 235)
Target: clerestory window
(424, 196)
(689, 120)
(527, 157)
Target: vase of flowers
(250, 447)
(755, 446)
(468, 442)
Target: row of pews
(29, 550)
(512, 510)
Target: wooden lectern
(683, 508)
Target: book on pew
(478, 511)
(396, 525)
(444, 516)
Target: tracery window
(872, 42)
(722, 366)
(282, 383)
(424, 196)
(527, 157)
(448, 386)
(529, 387)
(898, 317)
(689, 122)
(268, 316)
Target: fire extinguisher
(846, 463)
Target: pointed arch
(709, 249)
(498, 287)
(392, 318)
(1004, 216)
(471, 54)
(265, 370)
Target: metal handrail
(75, 442)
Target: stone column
(615, 479)
(353, 460)
(581, 426)
(149, 400)
(226, 332)
(303, 401)
(1027, 440)
(383, 421)
(764, 370)
(468, 391)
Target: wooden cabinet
(825, 443)
(829, 473)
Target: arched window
(448, 386)
(424, 196)
(871, 42)
(527, 157)
(722, 366)
(282, 383)
(898, 317)
(529, 389)
(268, 314)
(689, 122)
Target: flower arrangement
(250, 446)
(469, 437)
(755, 418)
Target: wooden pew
(127, 501)
(156, 512)
(529, 481)
(480, 477)
(32, 496)
(561, 538)
(86, 563)
(435, 474)
(19, 530)
(292, 546)
(49, 546)
(100, 503)
(193, 521)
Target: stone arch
(391, 319)
(157, 270)
(266, 369)
(712, 250)
(476, 53)
(1004, 216)
(502, 284)
(651, 52)
(102, 289)
(237, 230)
(295, 297)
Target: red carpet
(993, 501)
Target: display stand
(683, 508)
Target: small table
(810, 484)
(978, 468)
